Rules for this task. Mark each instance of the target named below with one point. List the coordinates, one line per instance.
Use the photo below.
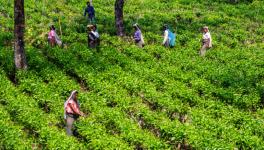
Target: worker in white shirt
(166, 36)
(206, 41)
(93, 36)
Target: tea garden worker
(53, 37)
(169, 39)
(71, 111)
(93, 36)
(206, 41)
(138, 37)
(90, 11)
(166, 36)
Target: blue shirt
(90, 11)
(137, 35)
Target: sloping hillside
(150, 98)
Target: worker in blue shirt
(90, 11)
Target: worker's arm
(76, 110)
(96, 34)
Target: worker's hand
(83, 114)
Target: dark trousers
(93, 43)
(91, 19)
(70, 118)
(203, 49)
(167, 44)
(52, 42)
(140, 44)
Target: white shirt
(95, 33)
(166, 36)
(207, 37)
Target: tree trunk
(119, 4)
(20, 57)
(233, 1)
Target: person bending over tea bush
(53, 37)
(169, 37)
(138, 37)
(72, 111)
(206, 41)
(93, 36)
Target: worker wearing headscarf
(138, 37)
(71, 111)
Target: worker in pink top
(71, 111)
(51, 36)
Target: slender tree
(19, 27)
(119, 4)
(233, 1)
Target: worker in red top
(71, 111)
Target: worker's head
(88, 4)
(205, 29)
(74, 94)
(52, 27)
(89, 27)
(165, 27)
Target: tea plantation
(150, 98)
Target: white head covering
(73, 93)
(136, 26)
(205, 27)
